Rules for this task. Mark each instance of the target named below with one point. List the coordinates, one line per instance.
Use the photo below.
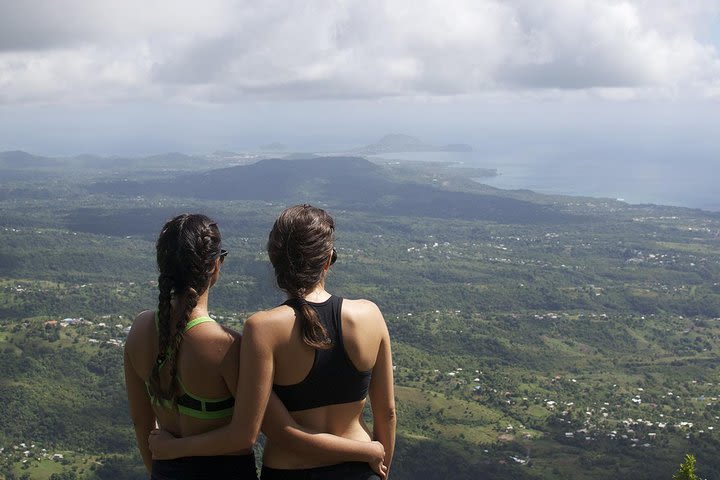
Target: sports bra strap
(192, 323)
(197, 321)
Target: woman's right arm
(382, 396)
(141, 412)
(281, 427)
(256, 369)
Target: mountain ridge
(342, 182)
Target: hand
(380, 469)
(160, 443)
(377, 460)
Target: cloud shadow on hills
(350, 183)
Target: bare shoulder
(142, 329)
(266, 320)
(214, 332)
(211, 342)
(271, 327)
(235, 338)
(139, 341)
(361, 307)
(362, 310)
(144, 319)
(232, 333)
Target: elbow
(143, 423)
(387, 415)
(236, 436)
(242, 442)
(242, 439)
(250, 440)
(392, 415)
(385, 424)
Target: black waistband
(340, 471)
(235, 467)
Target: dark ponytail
(300, 245)
(186, 249)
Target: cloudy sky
(139, 76)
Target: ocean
(634, 177)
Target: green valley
(535, 337)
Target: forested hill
(339, 182)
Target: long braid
(189, 303)
(164, 312)
(186, 251)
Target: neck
(200, 310)
(317, 293)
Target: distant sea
(687, 182)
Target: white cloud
(71, 51)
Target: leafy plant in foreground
(687, 469)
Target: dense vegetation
(535, 337)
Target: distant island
(399, 143)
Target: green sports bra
(193, 405)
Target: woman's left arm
(382, 394)
(141, 412)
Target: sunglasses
(333, 258)
(223, 254)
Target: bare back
(362, 334)
(207, 368)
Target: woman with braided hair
(181, 368)
(320, 354)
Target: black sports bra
(333, 378)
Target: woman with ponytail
(181, 368)
(322, 355)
